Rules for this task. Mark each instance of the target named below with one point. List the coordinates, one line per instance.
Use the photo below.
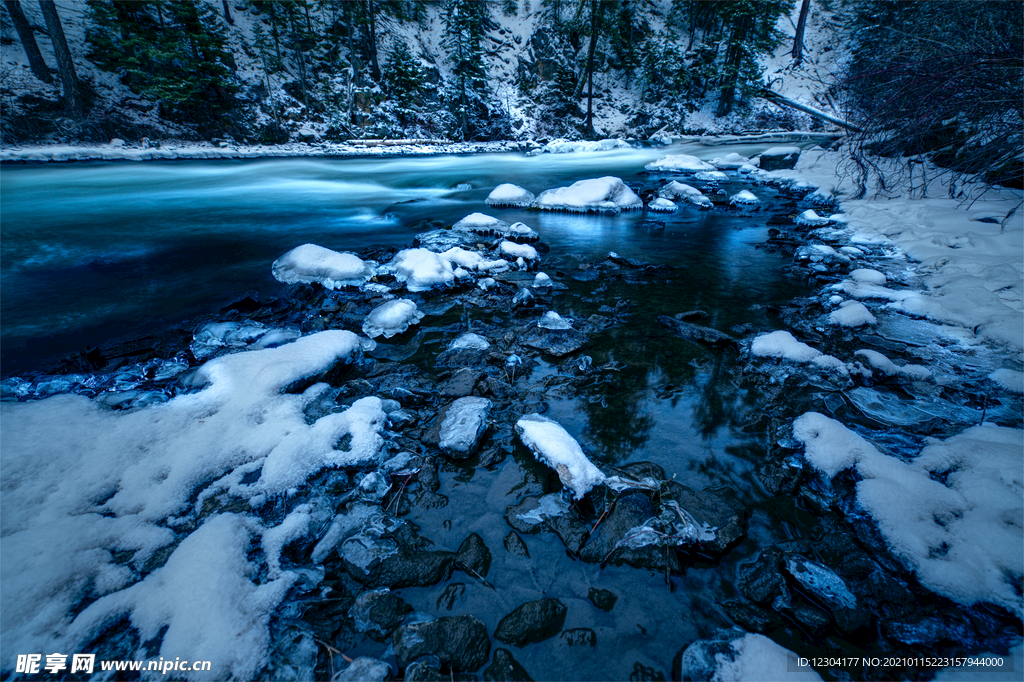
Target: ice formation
(470, 340)
(311, 263)
(810, 218)
(562, 146)
(679, 162)
(662, 205)
(542, 281)
(781, 344)
(890, 368)
(509, 195)
(552, 320)
(554, 446)
(744, 198)
(737, 656)
(730, 161)
(391, 318)
(713, 176)
(479, 223)
(607, 194)
(962, 536)
(1009, 379)
(524, 251)
(679, 190)
(420, 269)
(463, 424)
(471, 260)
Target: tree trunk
(798, 39)
(595, 20)
(371, 13)
(227, 12)
(733, 58)
(65, 66)
(28, 41)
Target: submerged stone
(532, 622)
(459, 642)
(378, 612)
(504, 668)
(557, 342)
(602, 599)
(473, 556)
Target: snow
(607, 194)
(552, 320)
(679, 163)
(107, 480)
(782, 345)
(1009, 379)
(731, 161)
(851, 314)
(561, 146)
(420, 269)
(542, 281)
(780, 151)
(463, 423)
(471, 260)
(553, 445)
(205, 598)
(479, 223)
(810, 218)
(744, 197)
(963, 537)
(391, 318)
(868, 276)
(524, 251)
(470, 340)
(509, 195)
(711, 176)
(755, 657)
(662, 205)
(679, 190)
(890, 368)
(311, 263)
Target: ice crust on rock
(810, 218)
(782, 345)
(515, 250)
(680, 190)
(713, 176)
(679, 163)
(552, 320)
(391, 318)
(470, 340)
(553, 445)
(890, 368)
(662, 205)
(311, 263)
(463, 424)
(563, 146)
(744, 198)
(473, 261)
(507, 194)
(607, 194)
(479, 223)
(731, 161)
(736, 656)
(421, 269)
(1009, 379)
(962, 537)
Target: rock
(762, 581)
(473, 556)
(748, 616)
(461, 384)
(718, 508)
(557, 342)
(418, 569)
(695, 332)
(641, 470)
(440, 241)
(460, 643)
(449, 595)
(463, 426)
(829, 590)
(630, 511)
(779, 158)
(602, 599)
(427, 475)
(643, 673)
(515, 546)
(462, 357)
(579, 637)
(378, 612)
(365, 669)
(814, 621)
(505, 668)
(532, 622)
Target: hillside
(303, 71)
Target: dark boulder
(473, 556)
(504, 668)
(460, 643)
(532, 622)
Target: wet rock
(716, 507)
(643, 673)
(515, 546)
(461, 383)
(579, 637)
(532, 622)
(460, 643)
(450, 594)
(431, 500)
(762, 581)
(602, 599)
(463, 357)
(365, 669)
(473, 556)
(813, 620)
(557, 342)
(427, 475)
(928, 631)
(529, 515)
(463, 426)
(440, 241)
(748, 616)
(378, 612)
(695, 332)
(641, 470)
(418, 569)
(504, 668)
(630, 511)
(829, 590)
(779, 158)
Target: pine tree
(28, 41)
(404, 78)
(750, 26)
(465, 22)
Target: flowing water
(94, 252)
